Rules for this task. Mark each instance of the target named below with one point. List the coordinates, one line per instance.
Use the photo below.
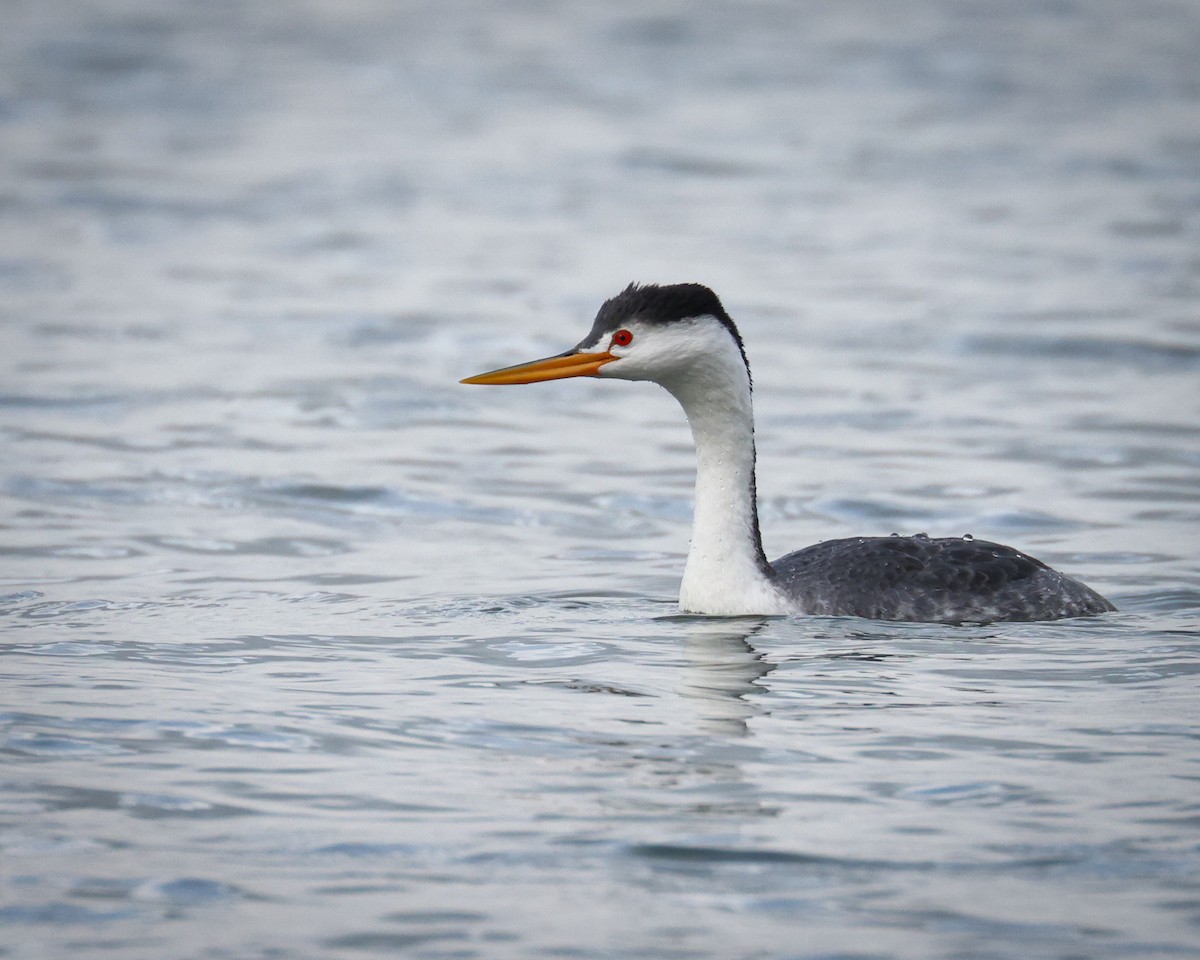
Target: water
(310, 652)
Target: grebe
(680, 337)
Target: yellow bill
(552, 368)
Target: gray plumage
(945, 580)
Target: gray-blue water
(310, 652)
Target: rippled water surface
(310, 652)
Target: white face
(669, 352)
(693, 357)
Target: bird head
(647, 332)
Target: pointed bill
(552, 368)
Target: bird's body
(680, 337)
(946, 580)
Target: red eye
(622, 338)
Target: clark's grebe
(680, 337)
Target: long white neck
(726, 573)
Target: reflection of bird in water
(680, 336)
(722, 670)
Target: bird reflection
(722, 671)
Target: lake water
(310, 652)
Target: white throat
(726, 572)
